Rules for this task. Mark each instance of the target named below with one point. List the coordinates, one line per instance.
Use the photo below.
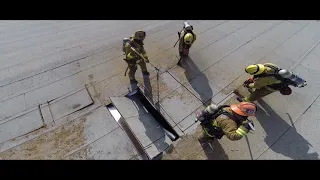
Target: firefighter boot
(133, 81)
(146, 73)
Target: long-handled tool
(125, 73)
(158, 70)
(178, 39)
(134, 50)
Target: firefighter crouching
(264, 82)
(132, 58)
(231, 121)
(186, 38)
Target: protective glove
(146, 58)
(247, 126)
(246, 85)
(247, 82)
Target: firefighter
(265, 81)
(231, 121)
(186, 38)
(133, 59)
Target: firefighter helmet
(244, 109)
(255, 69)
(188, 38)
(139, 35)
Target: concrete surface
(145, 128)
(118, 147)
(42, 61)
(23, 124)
(70, 103)
(66, 139)
(128, 107)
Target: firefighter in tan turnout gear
(186, 38)
(269, 78)
(231, 121)
(132, 58)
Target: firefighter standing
(186, 38)
(132, 58)
(227, 120)
(264, 82)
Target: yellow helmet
(255, 69)
(188, 38)
(139, 35)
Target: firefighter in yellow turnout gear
(186, 38)
(132, 58)
(231, 121)
(264, 82)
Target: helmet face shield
(249, 112)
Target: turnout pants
(133, 68)
(183, 46)
(259, 93)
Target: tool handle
(176, 43)
(138, 54)
(178, 39)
